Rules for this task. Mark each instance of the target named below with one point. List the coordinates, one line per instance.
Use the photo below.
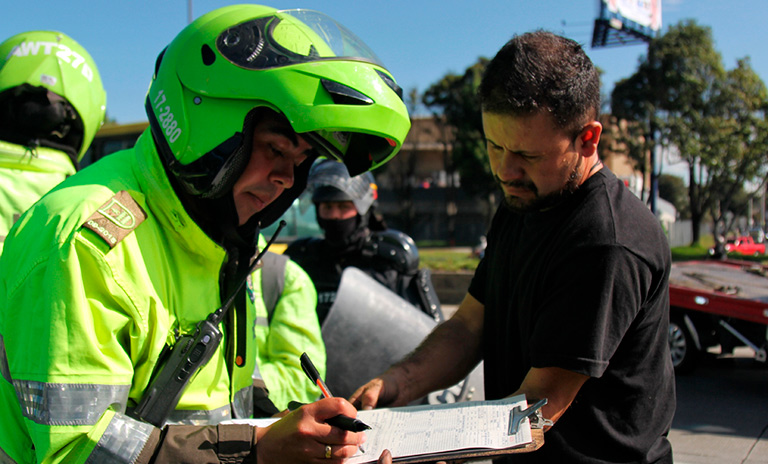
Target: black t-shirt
(584, 287)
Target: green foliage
(672, 188)
(682, 97)
(454, 98)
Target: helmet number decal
(166, 119)
(64, 53)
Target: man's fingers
(385, 458)
(330, 407)
(367, 396)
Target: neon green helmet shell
(32, 63)
(300, 63)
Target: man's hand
(302, 436)
(383, 391)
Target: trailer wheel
(682, 347)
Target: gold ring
(327, 451)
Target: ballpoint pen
(341, 421)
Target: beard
(540, 202)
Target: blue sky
(418, 40)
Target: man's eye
(276, 151)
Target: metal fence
(680, 233)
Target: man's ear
(588, 138)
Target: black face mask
(342, 233)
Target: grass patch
(687, 253)
(447, 259)
(700, 251)
(461, 260)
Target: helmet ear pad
(224, 180)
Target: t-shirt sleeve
(476, 285)
(595, 295)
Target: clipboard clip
(532, 413)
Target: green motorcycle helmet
(51, 92)
(236, 60)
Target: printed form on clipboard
(467, 430)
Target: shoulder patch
(116, 218)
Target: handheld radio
(186, 357)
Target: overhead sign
(646, 13)
(626, 22)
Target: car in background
(744, 245)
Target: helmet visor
(291, 37)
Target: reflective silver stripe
(121, 442)
(241, 408)
(262, 321)
(4, 370)
(242, 405)
(68, 403)
(5, 459)
(200, 417)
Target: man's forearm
(445, 357)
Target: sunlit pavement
(722, 412)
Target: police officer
(354, 236)
(52, 102)
(125, 261)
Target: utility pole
(617, 25)
(763, 222)
(189, 11)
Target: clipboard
(460, 431)
(469, 455)
(514, 418)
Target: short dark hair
(541, 71)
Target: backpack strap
(272, 280)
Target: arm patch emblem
(116, 218)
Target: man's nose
(334, 212)
(509, 166)
(282, 174)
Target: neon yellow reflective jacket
(284, 333)
(25, 176)
(85, 314)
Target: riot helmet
(329, 180)
(51, 93)
(235, 60)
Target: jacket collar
(165, 204)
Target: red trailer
(717, 303)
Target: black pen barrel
(347, 423)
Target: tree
(672, 188)
(454, 98)
(734, 144)
(715, 119)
